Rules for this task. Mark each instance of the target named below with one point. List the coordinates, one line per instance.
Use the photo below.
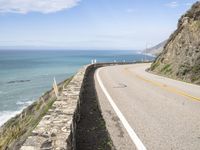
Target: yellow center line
(166, 87)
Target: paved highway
(145, 111)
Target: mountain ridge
(155, 50)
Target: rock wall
(57, 128)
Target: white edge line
(138, 143)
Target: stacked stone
(55, 130)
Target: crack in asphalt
(120, 85)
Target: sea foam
(24, 103)
(6, 115)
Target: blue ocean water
(26, 75)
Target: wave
(149, 54)
(24, 103)
(6, 115)
(2, 92)
(18, 81)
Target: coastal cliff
(16, 130)
(180, 58)
(155, 50)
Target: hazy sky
(89, 24)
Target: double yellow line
(167, 88)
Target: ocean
(26, 75)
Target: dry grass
(15, 131)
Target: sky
(88, 24)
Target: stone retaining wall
(56, 129)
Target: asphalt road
(146, 111)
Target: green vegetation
(195, 78)
(195, 26)
(155, 65)
(15, 131)
(196, 69)
(24, 123)
(66, 82)
(166, 69)
(196, 72)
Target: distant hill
(180, 58)
(156, 50)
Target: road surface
(145, 111)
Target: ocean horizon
(26, 75)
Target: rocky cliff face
(180, 58)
